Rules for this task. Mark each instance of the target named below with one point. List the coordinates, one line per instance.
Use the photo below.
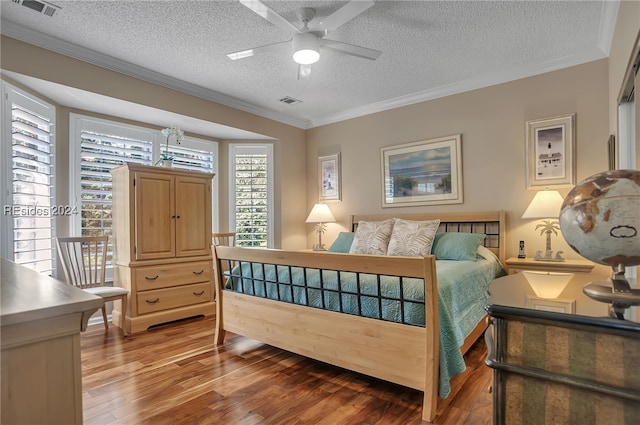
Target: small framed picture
(550, 152)
(329, 177)
(556, 305)
(422, 173)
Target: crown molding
(483, 81)
(13, 30)
(607, 25)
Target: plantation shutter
(99, 154)
(189, 158)
(251, 175)
(31, 222)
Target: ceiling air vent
(290, 100)
(43, 7)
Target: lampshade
(306, 48)
(546, 204)
(547, 285)
(320, 213)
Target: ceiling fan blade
(281, 45)
(269, 14)
(344, 14)
(350, 49)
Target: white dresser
(41, 322)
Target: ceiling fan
(307, 42)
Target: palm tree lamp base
(548, 254)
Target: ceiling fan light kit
(306, 48)
(307, 40)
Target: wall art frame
(428, 172)
(329, 178)
(611, 152)
(550, 152)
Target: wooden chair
(224, 239)
(84, 263)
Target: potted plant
(178, 134)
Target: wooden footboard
(399, 353)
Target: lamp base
(548, 256)
(319, 248)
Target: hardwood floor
(175, 375)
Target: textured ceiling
(430, 48)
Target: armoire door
(155, 216)
(193, 212)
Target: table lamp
(546, 204)
(321, 214)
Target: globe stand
(620, 295)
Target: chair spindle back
(83, 260)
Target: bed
(373, 314)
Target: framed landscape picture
(551, 152)
(422, 173)
(329, 177)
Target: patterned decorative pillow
(372, 237)
(412, 238)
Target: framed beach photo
(551, 152)
(422, 173)
(329, 177)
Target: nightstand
(543, 355)
(515, 265)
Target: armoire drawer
(180, 296)
(165, 276)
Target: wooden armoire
(162, 244)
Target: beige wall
(290, 199)
(492, 123)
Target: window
(97, 146)
(251, 194)
(29, 210)
(193, 154)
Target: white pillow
(412, 238)
(372, 237)
(487, 254)
(490, 256)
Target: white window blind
(30, 211)
(189, 158)
(99, 145)
(100, 152)
(251, 175)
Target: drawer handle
(151, 278)
(197, 294)
(200, 272)
(153, 301)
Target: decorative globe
(600, 218)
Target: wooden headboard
(491, 223)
